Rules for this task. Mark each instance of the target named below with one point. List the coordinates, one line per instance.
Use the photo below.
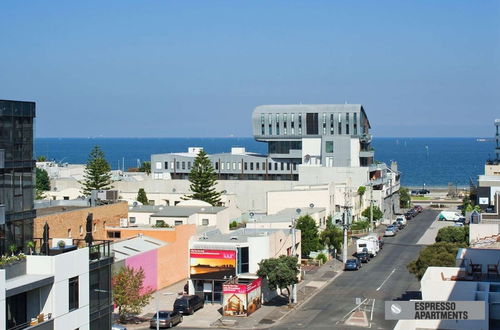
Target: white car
(390, 231)
(458, 224)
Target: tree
(377, 213)
(280, 272)
(404, 198)
(454, 235)
(141, 197)
(97, 174)
(42, 182)
(145, 167)
(41, 159)
(309, 235)
(129, 293)
(332, 236)
(203, 179)
(361, 190)
(440, 254)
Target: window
(189, 165)
(242, 260)
(263, 166)
(69, 232)
(294, 166)
(270, 124)
(329, 146)
(311, 123)
(239, 166)
(277, 124)
(204, 222)
(262, 124)
(114, 234)
(284, 124)
(222, 166)
(178, 222)
(257, 166)
(275, 166)
(177, 165)
(251, 166)
(217, 165)
(234, 166)
(346, 123)
(331, 123)
(132, 220)
(183, 165)
(282, 166)
(228, 166)
(73, 293)
(300, 124)
(324, 123)
(245, 166)
(288, 166)
(270, 166)
(292, 124)
(339, 131)
(172, 165)
(355, 123)
(158, 165)
(166, 165)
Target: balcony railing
(99, 249)
(41, 322)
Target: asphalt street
(385, 277)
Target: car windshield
(163, 315)
(351, 261)
(181, 302)
(390, 227)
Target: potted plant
(31, 246)
(12, 249)
(94, 253)
(61, 244)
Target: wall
(148, 261)
(141, 218)
(3, 319)
(279, 200)
(258, 250)
(59, 223)
(482, 230)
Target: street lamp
(158, 307)
(294, 252)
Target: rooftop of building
(308, 108)
(134, 246)
(186, 211)
(236, 236)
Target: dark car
(166, 319)
(352, 264)
(188, 304)
(397, 224)
(363, 257)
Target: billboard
(212, 264)
(241, 299)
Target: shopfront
(209, 270)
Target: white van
(449, 216)
(369, 243)
(402, 218)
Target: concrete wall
(141, 218)
(482, 230)
(148, 261)
(59, 223)
(279, 200)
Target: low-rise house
(284, 218)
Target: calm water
(433, 161)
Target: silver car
(167, 319)
(390, 231)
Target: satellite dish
(311, 205)
(298, 211)
(251, 214)
(307, 158)
(135, 204)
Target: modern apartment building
(16, 174)
(489, 183)
(316, 135)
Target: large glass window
(277, 124)
(339, 131)
(312, 123)
(331, 123)
(73, 293)
(262, 124)
(243, 260)
(355, 126)
(346, 123)
(270, 124)
(283, 147)
(292, 124)
(324, 123)
(284, 124)
(300, 124)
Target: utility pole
(371, 207)
(346, 217)
(294, 251)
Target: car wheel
(180, 319)
(170, 324)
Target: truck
(449, 216)
(368, 244)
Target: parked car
(352, 264)
(390, 231)
(402, 219)
(166, 319)
(458, 224)
(118, 327)
(364, 257)
(401, 224)
(419, 208)
(397, 225)
(188, 304)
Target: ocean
(435, 162)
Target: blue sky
(183, 68)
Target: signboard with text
(212, 264)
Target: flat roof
(236, 236)
(186, 211)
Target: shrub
(440, 254)
(453, 235)
(359, 225)
(233, 225)
(322, 257)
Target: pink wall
(149, 262)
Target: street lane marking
(381, 285)
(371, 314)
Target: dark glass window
(262, 124)
(283, 147)
(284, 123)
(270, 123)
(257, 165)
(275, 166)
(166, 165)
(245, 166)
(300, 124)
(288, 166)
(355, 124)
(346, 123)
(277, 124)
(242, 260)
(312, 124)
(282, 166)
(324, 123)
(329, 147)
(73, 293)
(189, 165)
(270, 166)
(294, 166)
(263, 166)
(183, 165)
(251, 166)
(292, 124)
(217, 165)
(331, 123)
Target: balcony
(42, 322)
(367, 154)
(99, 250)
(366, 138)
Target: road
(385, 277)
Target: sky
(199, 68)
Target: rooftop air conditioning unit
(107, 195)
(124, 222)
